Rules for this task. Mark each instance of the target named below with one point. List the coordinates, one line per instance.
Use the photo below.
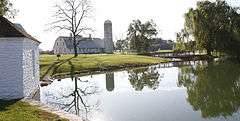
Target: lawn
(22, 111)
(50, 65)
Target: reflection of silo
(108, 39)
(110, 81)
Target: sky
(35, 15)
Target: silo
(108, 39)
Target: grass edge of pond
(90, 64)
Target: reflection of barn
(110, 81)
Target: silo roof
(107, 22)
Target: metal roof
(91, 43)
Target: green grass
(22, 111)
(49, 64)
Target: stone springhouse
(19, 65)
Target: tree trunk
(75, 46)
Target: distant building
(19, 61)
(160, 44)
(86, 45)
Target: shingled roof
(8, 29)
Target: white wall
(30, 67)
(16, 71)
(11, 72)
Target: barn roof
(84, 42)
(8, 29)
(91, 43)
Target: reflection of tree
(213, 89)
(77, 99)
(141, 77)
(110, 81)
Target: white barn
(19, 61)
(86, 45)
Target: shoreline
(88, 64)
(104, 70)
(76, 66)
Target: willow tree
(72, 16)
(182, 39)
(213, 26)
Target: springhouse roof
(8, 29)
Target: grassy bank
(50, 65)
(21, 111)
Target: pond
(193, 91)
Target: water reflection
(78, 101)
(152, 94)
(110, 81)
(144, 77)
(212, 88)
(75, 98)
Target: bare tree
(71, 16)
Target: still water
(198, 91)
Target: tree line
(142, 38)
